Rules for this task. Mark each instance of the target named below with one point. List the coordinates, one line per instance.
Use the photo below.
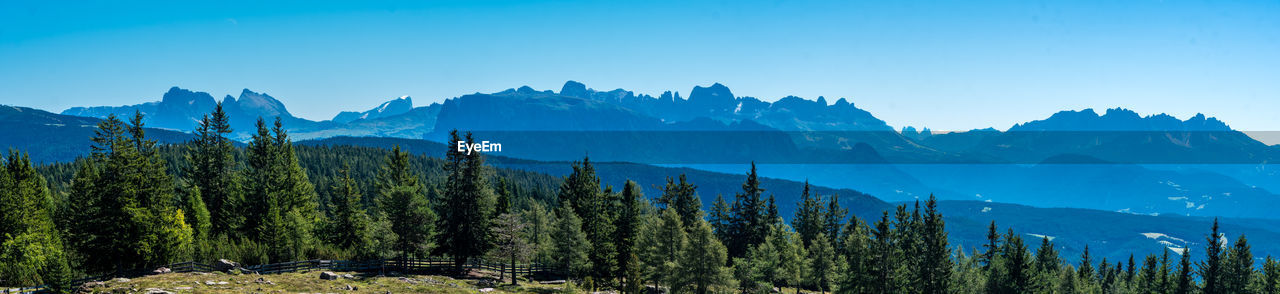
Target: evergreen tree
(747, 223)
(124, 210)
(1211, 268)
(809, 216)
(503, 203)
(1186, 284)
(1015, 267)
(1046, 266)
(1238, 270)
(721, 218)
(991, 248)
(582, 189)
(1166, 275)
(571, 244)
(793, 260)
(662, 241)
(858, 275)
(883, 259)
(833, 218)
(823, 267)
(1085, 271)
(211, 169)
(540, 225)
(349, 222)
(1148, 279)
(627, 227)
(201, 225)
(468, 205)
(281, 199)
(402, 201)
(935, 265)
(31, 249)
(1270, 275)
(702, 264)
(683, 197)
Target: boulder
(348, 276)
(161, 270)
(328, 276)
(224, 265)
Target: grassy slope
(307, 282)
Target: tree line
(135, 204)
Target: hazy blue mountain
(180, 109)
(50, 137)
(414, 123)
(394, 107)
(1120, 135)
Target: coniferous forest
(136, 204)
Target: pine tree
(662, 242)
(1148, 279)
(857, 253)
(1238, 270)
(683, 198)
(1015, 268)
(702, 264)
(31, 249)
(468, 205)
(582, 189)
(1186, 284)
(281, 199)
(124, 210)
(809, 216)
(935, 266)
(1211, 268)
(991, 248)
(627, 227)
(1270, 275)
(1166, 276)
(349, 222)
(541, 224)
(883, 258)
(571, 244)
(1085, 271)
(211, 169)
(721, 219)
(823, 267)
(401, 199)
(793, 259)
(1046, 265)
(747, 223)
(833, 218)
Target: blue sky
(947, 65)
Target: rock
(348, 276)
(161, 270)
(182, 288)
(349, 288)
(552, 282)
(93, 284)
(223, 283)
(210, 283)
(121, 280)
(486, 290)
(156, 291)
(328, 276)
(224, 265)
(265, 281)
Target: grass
(308, 282)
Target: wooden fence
(401, 265)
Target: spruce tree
(1211, 271)
(508, 233)
(1015, 269)
(349, 222)
(541, 224)
(1238, 270)
(833, 218)
(1186, 284)
(935, 266)
(281, 199)
(582, 189)
(721, 219)
(1148, 279)
(809, 216)
(401, 199)
(1046, 265)
(201, 225)
(571, 244)
(857, 252)
(683, 197)
(468, 204)
(747, 222)
(793, 260)
(211, 169)
(883, 258)
(1270, 275)
(627, 227)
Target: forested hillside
(134, 204)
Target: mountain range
(1115, 161)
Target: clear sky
(947, 65)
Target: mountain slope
(49, 137)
